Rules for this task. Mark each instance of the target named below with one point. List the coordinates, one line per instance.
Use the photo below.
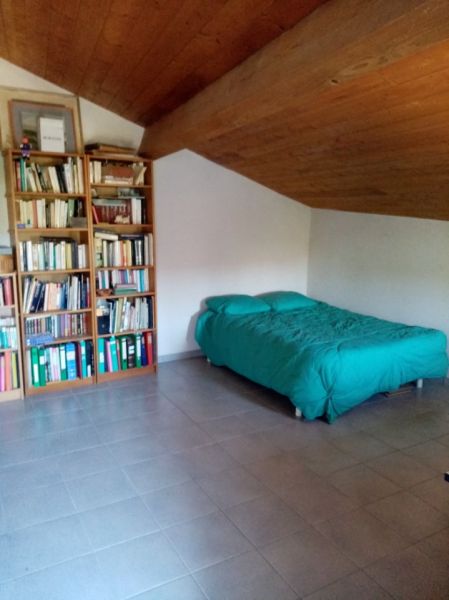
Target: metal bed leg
(208, 361)
(419, 383)
(298, 413)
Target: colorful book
(71, 361)
(114, 357)
(42, 364)
(101, 356)
(34, 355)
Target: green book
(123, 354)
(83, 361)
(35, 367)
(138, 341)
(63, 362)
(42, 375)
(101, 367)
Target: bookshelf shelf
(32, 206)
(11, 371)
(54, 272)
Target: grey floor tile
(71, 440)
(443, 440)
(27, 508)
(76, 579)
(409, 516)
(411, 574)
(281, 472)
(183, 439)
(136, 450)
(402, 469)
(205, 460)
(432, 454)
(434, 492)
(324, 458)
(117, 522)
(80, 463)
(21, 451)
(226, 427)
(124, 429)
(178, 503)
(265, 519)
(246, 577)
(362, 537)
(29, 475)
(51, 404)
(100, 489)
(307, 561)
(250, 448)
(362, 484)
(138, 565)
(184, 588)
(41, 546)
(361, 445)
(264, 418)
(157, 473)
(436, 547)
(207, 540)
(316, 500)
(357, 586)
(231, 487)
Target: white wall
(97, 124)
(217, 233)
(392, 267)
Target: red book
(149, 345)
(95, 214)
(7, 291)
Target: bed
(325, 359)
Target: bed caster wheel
(419, 384)
(298, 413)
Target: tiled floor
(197, 484)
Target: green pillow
(237, 304)
(283, 301)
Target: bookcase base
(11, 395)
(59, 386)
(104, 377)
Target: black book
(131, 347)
(150, 312)
(61, 178)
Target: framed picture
(48, 127)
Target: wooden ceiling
(140, 58)
(347, 110)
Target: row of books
(9, 371)
(116, 172)
(73, 293)
(133, 250)
(115, 279)
(6, 293)
(8, 333)
(61, 362)
(65, 178)
(49, 254)
(125, 352)
(114, 316)
(44, 213)
(56, 325)
(119, 209)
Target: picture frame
(26, 116)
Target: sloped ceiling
(348, 110)
(140, 58)
(341, 104)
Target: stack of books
(52, 253)
(59, 326)
(125, 352)
(113, 250)
(115, 316)
(9, 371)
(116, 172)
(61, 362)
(8, 333)
(44, 213)
(73, 293)
(6, 295)
(65, 178)
(138, 278)
(119, 209)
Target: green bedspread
(326, 360)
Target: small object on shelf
(25, 147)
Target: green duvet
(326, 360)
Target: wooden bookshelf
(53, 223)
(100, 190)
(11, 311)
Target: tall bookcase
(50, 223)
(122, 241)
(11, 374)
